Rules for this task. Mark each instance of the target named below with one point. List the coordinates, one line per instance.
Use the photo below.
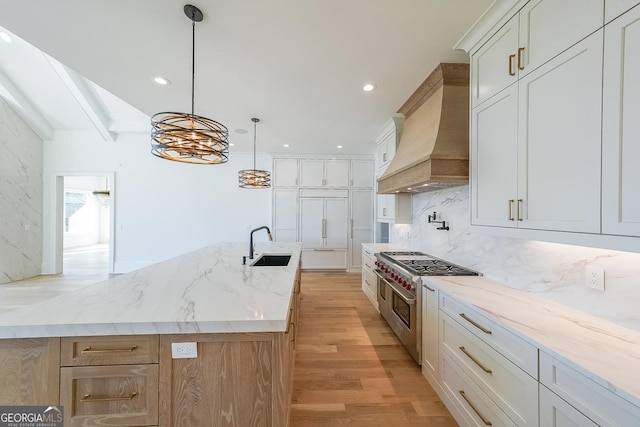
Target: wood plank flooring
(350, 368)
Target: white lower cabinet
(466, 401)
(587, 396)
(324, 259)
(369, 278)
(430, 333)
(555, 412)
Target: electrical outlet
(184, 350)
(594, 277)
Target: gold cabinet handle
(429, 289)
(286, 332)
(474, 360)
(474, 323)
(519, 213)
(89, 350)
(511, 202)
(484, 420)
(293, 332)
(89, 398)
(520, 65)
(511, 71)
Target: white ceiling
(298, 65)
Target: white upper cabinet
(621, 126)
(324, 173)
(285, 172)
(615, 8)
(541, 30)
(362, 173)
(494, 160)
(535, 147)
(559, 141)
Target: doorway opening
(87, 226)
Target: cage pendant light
(254, 178)
(189, 138)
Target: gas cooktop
(421, 264)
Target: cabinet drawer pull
(429, 289)
(519, 213)
(484, 420)
(368, 266)
(367, 282)
(520, 66)
(89, 398)
(511, 202)
(286, 332)
(293, 332)
(511, 71)
(90, 350)
(464, 350)
(474, 323)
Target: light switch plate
(594, 277)
(184, 350)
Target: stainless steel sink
(271, 260)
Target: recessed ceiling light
(4, 36)
(231, 144)
(161, 81)
(339, 146)
(241, 131)
(286, 146)
(368, 87)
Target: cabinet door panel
(621, 127)
(311, 172)
(285, 172)
(548, 27)
(490, 64)
(362, 173)
(285, 214)
(560, 141)
(555, 412)
(336, 173)
(494, 139)
(336, 218)
(361, 224)
(311, 222)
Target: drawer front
(110, 395)
(555, 412)
(468, 400)
(588, 396)
(369, 280)
(109, 350)
(513, 390)
(522, 353)
(368, 253)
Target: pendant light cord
(255, 125)
(193, 59)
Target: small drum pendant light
(189, 138)
(254, 178)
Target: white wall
(20, 198)
(161, 209)
(551, 270)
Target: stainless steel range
(399, 291)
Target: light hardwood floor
(350, 368)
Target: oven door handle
(396, 289)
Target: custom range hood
(433, 152)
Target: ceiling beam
(86, 97)
(25, 109)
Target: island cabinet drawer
(590, 395)
(511, 388)
(109, 350)
(125, 395)
(520, 352)
(466, 401)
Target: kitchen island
(105, 352)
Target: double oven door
(402, 314)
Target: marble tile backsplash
(20, 198)
(551, 270)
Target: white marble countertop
(383, 247)
(205, 291)
(603, 351)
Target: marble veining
(553, 271)
(601, 350)
(206, 291)
(21, 191)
